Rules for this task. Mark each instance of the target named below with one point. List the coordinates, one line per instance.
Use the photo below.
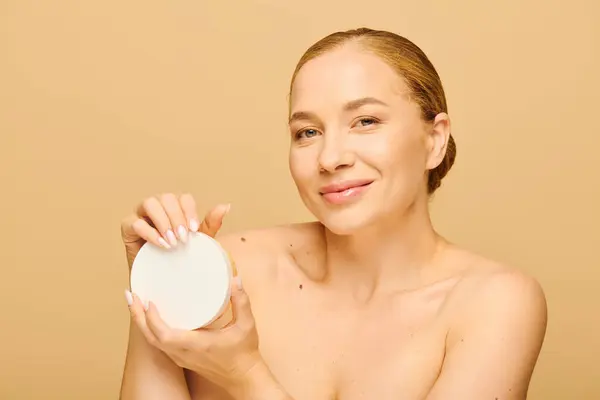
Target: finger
(153, 209)
(188, 205)
(173, 209)
(143, 230)
(214, 219)
(167, 338)
(240, 305)
(128, 232)
(136, 309)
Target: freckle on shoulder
(275, 238)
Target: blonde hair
(411, 63)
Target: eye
(366, 122)
(307, 133)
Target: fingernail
(237, 281)
(172, 238)
(146, 305)
(128, 297)
(194, 225)
(225, 208)
(164, 243)
(182, 232)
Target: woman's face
(359, 149)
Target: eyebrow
(358, 103)
(349, 106)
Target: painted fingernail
(128, 297)
(172, 238)
(194, 225)
(164, 243)
(182, 232)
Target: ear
(437, 142)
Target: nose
(335, 154)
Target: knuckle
(148, 202)
(133, 314)
(128, 221)
(164, 339)
(138, 317)
(208, 347)
(167, 338)
(167, 198)
(187, 203)
(130, 228)
(137, 224)
(199, 347)
(186, 198)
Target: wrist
(259, 384)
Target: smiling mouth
(344, 192)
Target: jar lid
(190, 284)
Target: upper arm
(493, 351)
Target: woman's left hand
(225, 356)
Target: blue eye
(307, 133)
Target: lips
(340, 187)
(345, 192)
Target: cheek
(395, 152)
(301, 167)
(400, 157)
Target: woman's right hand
(165, 221)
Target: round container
(190, 284)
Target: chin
(345, 221)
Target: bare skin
(322, 344)
(370, 302)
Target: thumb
(213, 220)
(240, 304)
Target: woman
(369, 302)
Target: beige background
(106, 102)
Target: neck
(389, 255)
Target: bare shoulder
(491, 282)
(497, 317)
(494, 293)
(272, 241)
(257, 252)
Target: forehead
(343, 75)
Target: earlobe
(439, 137)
